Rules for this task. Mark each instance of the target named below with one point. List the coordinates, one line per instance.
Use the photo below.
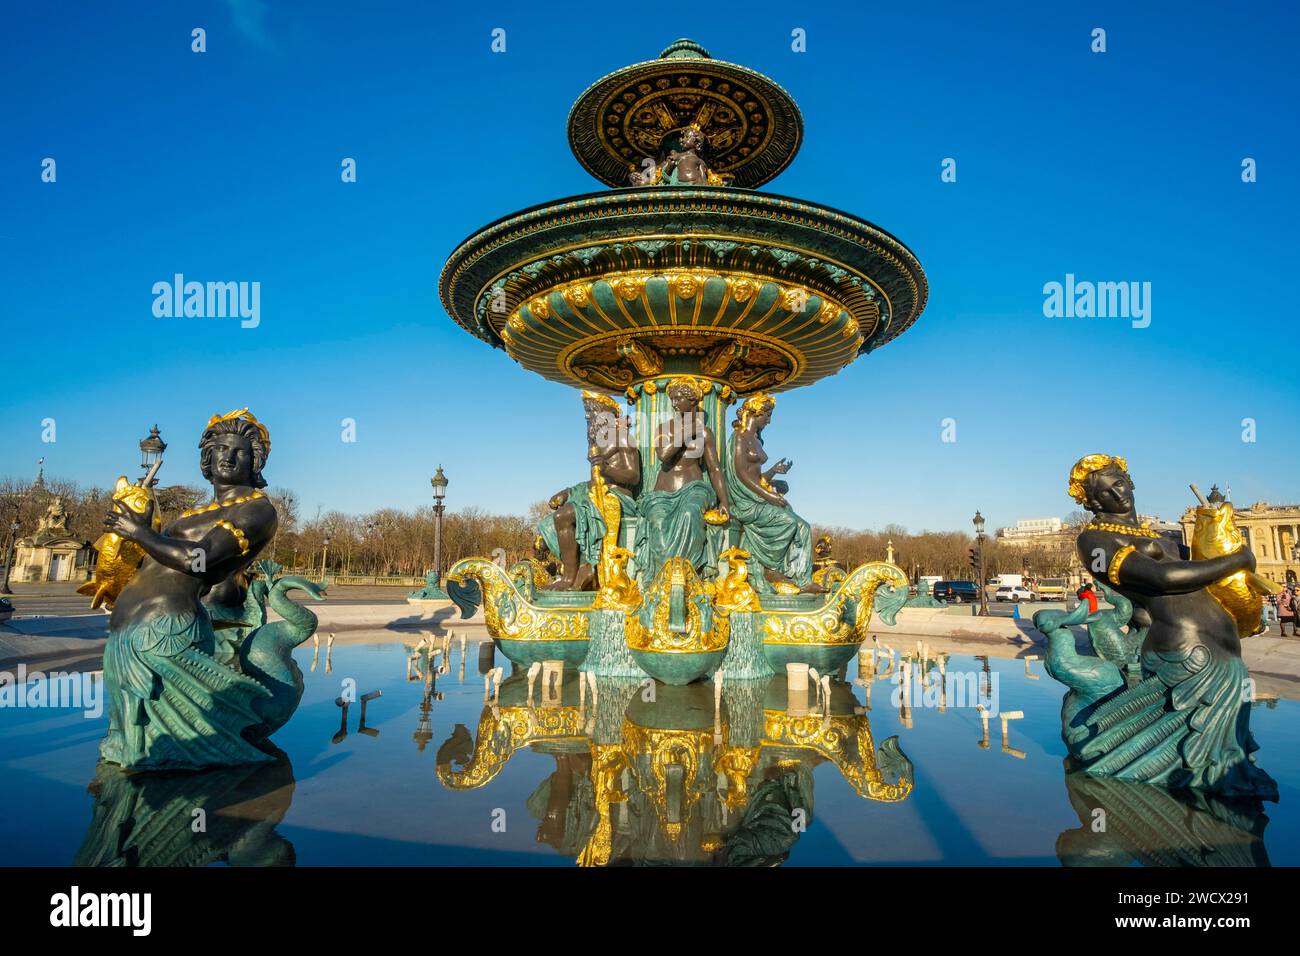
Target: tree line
(391, 541)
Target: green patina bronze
(183, 693)
(1166, 701)
(432, 590)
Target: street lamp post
(324, 554)
(439, 484)
(978, 521)
(370, 543)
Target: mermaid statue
(172, 703)
(779, 542)
(690, 493)
(1181, 717)
(575, 529)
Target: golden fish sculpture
(119, 559)
(1241, 594)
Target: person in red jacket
(1086, 593)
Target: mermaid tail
(172, 705)
(1185, 724)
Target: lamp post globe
(151, 451)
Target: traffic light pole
(984, 594)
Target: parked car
(956, 592)
(1015, 593)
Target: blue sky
(1122, 166)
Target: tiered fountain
(681, 290)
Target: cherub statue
(685, 165)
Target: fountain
(681, 290)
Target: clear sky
(225, 165)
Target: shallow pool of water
(645, 774)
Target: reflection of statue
(575, 528)
(779, 542)
(1185, 723)
(678, 776)
(673, 513)
(149, 819)
(1159, 827)
(564, 804)
(171, 703)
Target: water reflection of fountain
(649, 773)
(228, 814)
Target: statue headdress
(696, 385)
(244, 421)
(597, 401)
(245, 415)
(754, 405)
(1086, 466)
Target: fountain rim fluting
(544, 231)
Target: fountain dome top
(752, 126)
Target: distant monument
(53, 553)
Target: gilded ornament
(240, 538)
(794, 299)
(1116, 562)
(615, 588)
(653, 628)
(742, 288)
(218, 505)
(119, 559)
(509, 615)
(577, 295)
(733, 592)
(628, 288)
(1140, 531)
(684, 284)
(644, 359)
(831, 623)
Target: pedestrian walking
(1286, 610)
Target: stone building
(1272, 532)
(1030, 530)
(53, 553)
